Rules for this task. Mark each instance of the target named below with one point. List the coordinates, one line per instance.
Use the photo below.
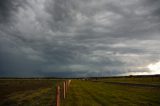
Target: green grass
(27, 92)
(87, 93)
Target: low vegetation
(88, 93)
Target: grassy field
(88, 93)
(34, 92)
(27, 92)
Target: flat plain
(114, 91)
(27, 92)
(100, 93)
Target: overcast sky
(74, 38)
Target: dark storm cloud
(61, 12)
(78, 37)
(130, 19)
(7, 9)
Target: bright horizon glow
(154, 68)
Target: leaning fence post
(58, 95)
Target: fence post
(66, 86)
(57, 95)
(64, 89)
(69, 82)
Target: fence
(63, 90)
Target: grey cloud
(5, 9)
(8, 9)
(77, 37)
(62, 14)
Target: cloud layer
(78, 38)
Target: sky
(79, 38)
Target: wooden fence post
(58, 95)
(66, 86)
(69, 82)
(64, 89)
